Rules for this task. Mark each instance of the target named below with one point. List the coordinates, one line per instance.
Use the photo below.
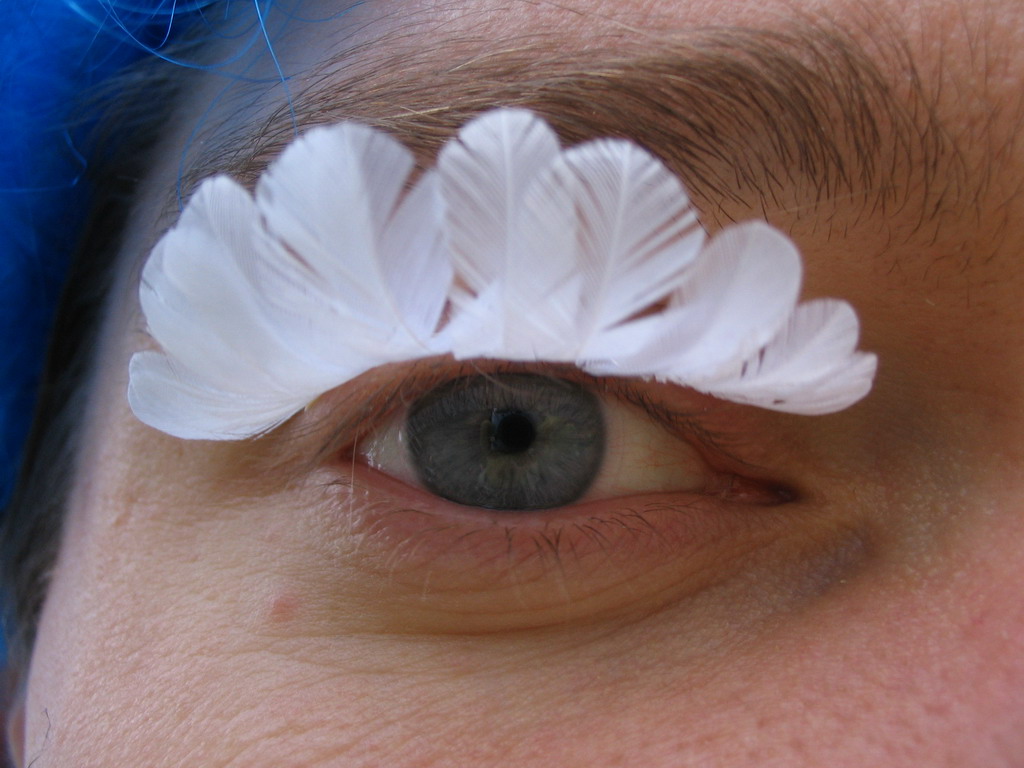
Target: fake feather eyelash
(510, 248)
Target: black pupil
(511, 431)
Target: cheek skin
(200, 672)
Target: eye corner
(757, 492)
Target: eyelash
(688, 426)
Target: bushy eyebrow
(800, 120)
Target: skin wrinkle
(777, 121)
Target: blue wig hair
(57, 58)
(51, 53)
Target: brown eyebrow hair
(794, 121)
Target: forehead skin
(199, 614)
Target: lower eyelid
(440, 566)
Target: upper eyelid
(420, 377)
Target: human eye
(522, 441)
(563, 483)
(490, 496)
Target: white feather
(484, 172)
(811, 367)
(637, 233)
(200, 305)
(413, 263)
(171, 399)
(333, 202)
(593, 255)
(541, 289)
(510, 252)
(278, 317)
(738, 293)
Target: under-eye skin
(507, 441)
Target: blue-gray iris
(507, 441)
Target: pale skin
(246, 604)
